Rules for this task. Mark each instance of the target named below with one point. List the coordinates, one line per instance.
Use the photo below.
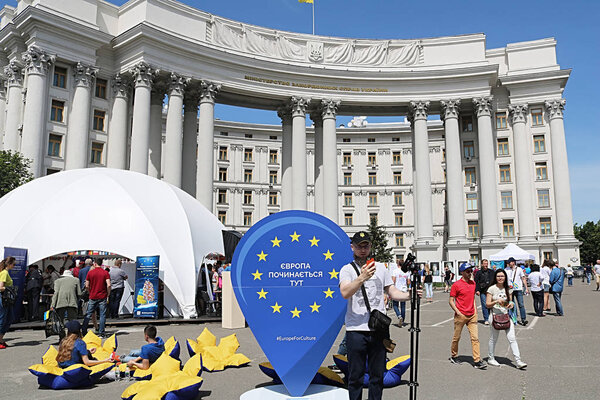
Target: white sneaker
(521, 364)
(493, 362)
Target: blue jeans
(342, 347)
(589, 277)
(518, 295)
(5, 317)
(570, 278)
(399, 312)
(484, 309)
(99, 304)
(364, 347)
(429, 290)
(133, 355)
(559, 307)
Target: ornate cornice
(37, 61)
(329, 108)
(417, 110)
(384, 151)
(555, 108)
(483, 105)
(518, 112)
(84, 75)
(435, 149)
(261, 149)
(177, 84)
(209, 91)
(450, 109)
(357, 152)
(406, 151)
(299, 105)
(14, 74)
(143, 74)
(120, 86)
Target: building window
(399, 239)
(58, 110)
(371, 159)
(399, 219)
(222, 196)
(346, 140)
(501, 120)
(545, 226)
(372, 199)
(248, 176)
(373, 218)
(347, 159)
(222, 174)
(508, 227)
(370, 140)
(273, 157)
(247, 154)
(541, 171)
(503, 147)
(222, 153)
(397, 198)
(539, 144)
(247, 218)
(397, 178)
(372, 178)
(543, 196)
(471, 201)
(473, 229)
(505, 173)
(99, 117)
(272, 198)
(348, 219)
(469, 149)
(97, 149)
(60, 77)
(347, 178)
(54, 142)
(248, 136)
(537, 118)
(467, 123)
(224, 133)
(506, 200)
(395, 139)
(548, 255)
(347, 199)
(396, 158)
(272, 177)
(273, 137)
(101, 88)
(222, 216)
(470, 176)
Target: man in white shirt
(597, 272)
(518, 283)
(545, 271)
(361, 342)
(401, 281)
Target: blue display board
(145, 298)
(17, 274)
(285, 277)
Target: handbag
(9, 296)
(501, 322)
(54, 325)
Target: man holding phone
(362, 343)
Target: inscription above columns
(555, 108)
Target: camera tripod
(415, 307)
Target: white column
(157, 96)
(190, 141)
(2, 112)
(524, 184)
(299, 163)
(487, 169)
(37, 63)
(14, 77)
(560, 169)
(330, 169)
(422, 184)
(116, 154)
(174, 142)
(143, 76)
(455, 202)
(77, 148)
(285, 114)
(206, 132)
(318, 161)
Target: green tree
(379, 250)
(589, 235)
(14, 171)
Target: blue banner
(145, 298)
(17, 274)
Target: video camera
(409, 264)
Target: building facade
(134, 87)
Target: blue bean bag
(324, 376)
(393, 370)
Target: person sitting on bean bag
(149, 353)
(72, 350)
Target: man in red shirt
(97, 283)
(462, 301)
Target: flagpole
(313, 12)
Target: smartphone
(371, 262)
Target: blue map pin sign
(285, 275)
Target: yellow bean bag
(217, 358)
(392, 375)
(103, 351)
(164, 365)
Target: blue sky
(574, 24)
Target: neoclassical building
(479, 160)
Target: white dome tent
(118, 211)
(514, 251)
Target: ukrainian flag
(46, 315)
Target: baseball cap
(464, 266)
(360, 237)
(511, 259)
(73, 326)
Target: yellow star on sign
(295, 312)
(328, 255)
(334, 274)
(314, 242)
(295, 237)
(262, 294)
(276, 242)
(276, 308)
(315, 307)
(262, 256)
(256, 275)
(328, 293)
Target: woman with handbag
(498, 295)
(6, 297)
